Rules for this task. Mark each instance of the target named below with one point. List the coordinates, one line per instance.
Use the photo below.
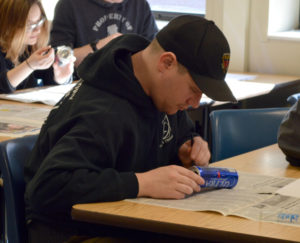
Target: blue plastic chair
(292, 99)
(13, 154)
(237, 131)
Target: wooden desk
(15, 103)
(250, 85)
(268, 78)
(201, 225)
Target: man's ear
(167, 61)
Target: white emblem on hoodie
(167, 131)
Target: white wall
(232, 17)
(49, 6)
(245, 24)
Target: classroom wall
(245, 24)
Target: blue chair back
(292, 99)
(238, 131)
(13, 154)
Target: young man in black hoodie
(123, 132)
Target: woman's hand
(41, 59)
(63, 73)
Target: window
(284, 19)
(167, 9)
(49, 8)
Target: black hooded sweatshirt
(99, 135)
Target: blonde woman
(25, 59)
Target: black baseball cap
(202, 48)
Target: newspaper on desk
(48, 95)
(254, 198)
(20, 120)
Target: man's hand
(173, 182)
(198, 154)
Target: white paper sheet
(292, 189)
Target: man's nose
(195, 101)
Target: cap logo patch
(225, 62)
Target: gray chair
(13, 154)
(237, 131)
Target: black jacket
(104, 131)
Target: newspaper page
(254, 198)
(47, 95)
(20, 120)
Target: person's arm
(78, 169)
(175, 181)
(82, 167)
(169, 182)
(18, 74)
(39, 60)
(193, 150)
(81, 52)
(289, 135)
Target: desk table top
(203, 225)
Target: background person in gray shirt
(88, 25)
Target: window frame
(168, 15)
